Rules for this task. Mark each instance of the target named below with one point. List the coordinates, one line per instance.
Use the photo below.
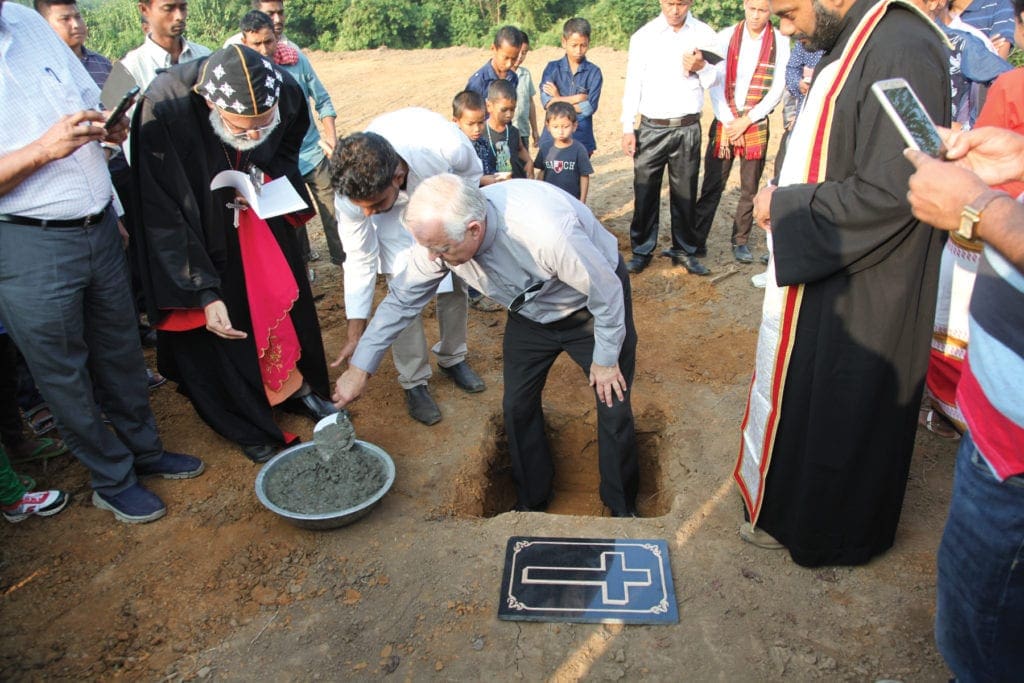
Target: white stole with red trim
(806, 161)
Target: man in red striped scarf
(743, 96)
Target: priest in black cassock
(227, 290)
(843, 346)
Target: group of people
(228, 290)
(450, 208)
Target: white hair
(449, 199)
(242, 144)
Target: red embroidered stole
(272, 291)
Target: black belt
(83, 222)
(677, 122)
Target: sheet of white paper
(275, 198)
(446, 285)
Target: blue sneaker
(171, 466)
(135, 505)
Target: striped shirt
(990, 390)
(992, 17)
(42, 81)
(97, 66)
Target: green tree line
(366, 24)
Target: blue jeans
(979, 617)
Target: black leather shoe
(741, 253)
(637, 264)
(624, 513)
(260, 453)
(523, 507)
(421, 405)
(675, 254)
(692, 264)
(310, 405)
(464, 377)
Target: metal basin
(325, 520)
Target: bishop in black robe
(190, 252)
(832, 416)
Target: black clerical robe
(189, 250)
(830, 424)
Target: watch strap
(971, 213)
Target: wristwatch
(971, 213)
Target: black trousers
(11, 427)
(656, 147)
(716, 173)
(530, 349)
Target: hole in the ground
(484, 488)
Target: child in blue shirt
(574, 80)
(508, 42)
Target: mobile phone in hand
(121, 108)
(902, 105)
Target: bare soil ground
(222, 589)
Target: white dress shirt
(657, 86)
(430, 145)
(536, 234)
(144, 61)
(43, 80)
(750, 50)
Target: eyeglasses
(525, 296)
(230, 128)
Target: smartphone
(122, 107)
(906, 111)
(711, 57)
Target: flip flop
(938, 424)
(40, 424)
(44, 449)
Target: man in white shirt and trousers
(666, 75)
(373, 174)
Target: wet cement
(335, 475)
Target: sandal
(938, 424)
(36, 449)
(40, 419)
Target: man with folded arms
(64, 291)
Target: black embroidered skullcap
(240, 80)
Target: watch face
(968, 219)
